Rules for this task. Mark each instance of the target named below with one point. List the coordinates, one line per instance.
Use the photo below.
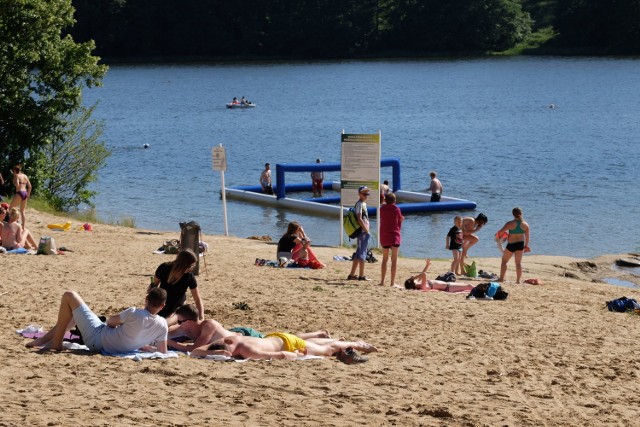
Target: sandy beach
(550, 355)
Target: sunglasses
(180, 322)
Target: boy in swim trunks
(279, 346)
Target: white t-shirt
(138, 328)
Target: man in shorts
(265, 179)
(317, 177)
(363, 239)
(130, 330)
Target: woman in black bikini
(517, 243)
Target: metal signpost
(219, 161)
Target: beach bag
(471, 270)
(488, 290)
(351, 225)
(171, 246)
(190, 239)
(370, 257)
(47, 246)
(623, 304)
(448, 277)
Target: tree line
(349, 28)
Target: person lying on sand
(421, 283)
(204, 332)
(130, 330)
(279, 345)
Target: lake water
(484, 124)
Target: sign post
(360, 166)
(219, 161)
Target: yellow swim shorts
(291, 342)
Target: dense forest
(194, 29)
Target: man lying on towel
(279, 345)
(203, 332)
(130, 330)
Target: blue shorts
(363, 243)
(90, 327)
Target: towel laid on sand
(221, 358)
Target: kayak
(232, 105)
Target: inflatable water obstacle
(409, 202)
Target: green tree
(611, 26)
(42, 74)
(68, 164)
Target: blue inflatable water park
(409, 202)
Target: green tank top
(518, 229)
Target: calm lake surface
(484, 124)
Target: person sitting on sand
(130, 330)
(421, 283)
(296, 246)
(13, 235)
(279, 345)
(176, 277)
(203, 332)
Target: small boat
(239, 105)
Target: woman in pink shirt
(390, 224)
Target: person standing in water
(435, 187)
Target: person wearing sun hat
(363, 239)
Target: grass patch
(534, 41)
(87, 215)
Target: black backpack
(448, 277)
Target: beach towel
(21, 251)
(139, 355)
(221, 358)
(341, 258)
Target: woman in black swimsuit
(176, 277)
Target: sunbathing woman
(421, 283)
(176, 277)
(296, 246)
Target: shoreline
(549, 355)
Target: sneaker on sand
(350, 357)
